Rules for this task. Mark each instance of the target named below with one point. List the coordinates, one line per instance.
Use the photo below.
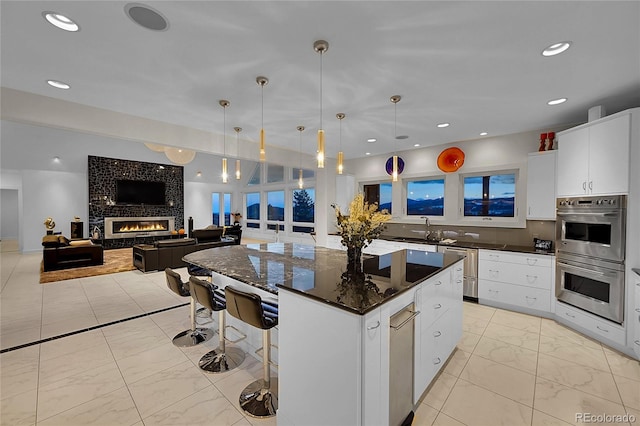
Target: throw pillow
(64, 241)
(80, 243)
(50, 241)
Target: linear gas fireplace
(131, 227)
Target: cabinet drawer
(515, 295)
(517, 258)
(531, 276)
(582, 319)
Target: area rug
(115, 260)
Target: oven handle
(601, 214)
(591, 271)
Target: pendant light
(225, 175)
(394, 174)
(340, 166)
(321, 46)
(300, 180)
(262, 81)
(238, 173)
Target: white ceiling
(474, 64)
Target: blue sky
(499, 186)
(425, 189)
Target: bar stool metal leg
(222, 359)
(260, 398)
(194, 336)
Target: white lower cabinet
(583, 321)
(522, 282)
(334, 366)
(438, 327)
(635, 317)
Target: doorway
(9, 220)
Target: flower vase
(354, 259)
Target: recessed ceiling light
(146, 16)
(367, 153)
(416, 145)
(56, 159)
(484, 134)
(442, 125)
(556, 49)
(58, 84)
(371, 140)
(60, 21)
(557, 101)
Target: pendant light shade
(320, 46)
(394, 173)
(225, 171)
(238, 172)
(300, 129)
(262, 81)
(340, 167)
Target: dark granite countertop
(321, 274)
(472, 244)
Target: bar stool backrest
(247, 307)
(205, 294)
(174, 282)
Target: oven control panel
(613, 201)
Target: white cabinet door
(573, 161)
(541, 186)
(609, 156)
(636, 319)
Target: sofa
(61, 253)
(169, 253)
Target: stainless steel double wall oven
(590, 243)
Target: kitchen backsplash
(544, 230)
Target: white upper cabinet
(541, 186)
(594, 159)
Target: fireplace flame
(142, 228)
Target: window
(255, 176)
(379, 193)
(425, 197)
(253, 209)
(275, 209)
(303, 209)
(221, 211)
(275, 173)
(490, 195)
(306, 174)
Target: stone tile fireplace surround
(102, 176)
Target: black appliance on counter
(590, 248)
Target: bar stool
(259, 398)
(197, 271)
(194, 335)
(221, 359)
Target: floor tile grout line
(94, 327)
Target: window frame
(250, 222)
(517, 221)
(405, 196)
(292, 224)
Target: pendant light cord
(321, 54)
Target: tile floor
(509, 368)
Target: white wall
(9, 214)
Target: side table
(145, 257)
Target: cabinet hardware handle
(373, 327)
(437, 334)
(437, 360)
(529, 209)
(637, 309)
(569, 315)
(602, 329)
(591, 185)
(567, 266)
(532, 277)
(460, 269)
(438, 283)
(437, 306)
(531, 262)
(637, 342)
(584, 186)
(459, 281)
(403, 323)
(529, 297)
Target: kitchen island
(334, 332)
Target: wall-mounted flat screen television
(140, 192)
